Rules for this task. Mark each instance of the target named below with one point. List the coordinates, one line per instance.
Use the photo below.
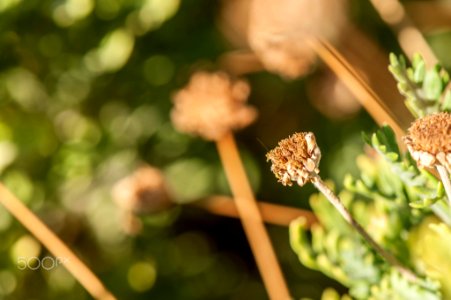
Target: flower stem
(336, 202)
(49, 239)
(445, 180)
(251, 219)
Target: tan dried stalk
(271, 213)
(368, 59)
(251, 219)
(54, 244)
(212, 105)
(357, 85)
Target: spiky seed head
(295, 159)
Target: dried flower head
(144, 191)
(212, 105)
(429, 140)
(279, 31)
(296, 158)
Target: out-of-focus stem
(271, 213)
(71, 262)
(409, 37)
(240, 62)
(445, 180)
(251, 219)
(372, 103)
(336, 202)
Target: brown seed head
(212, 105)
(296, 158)
(279, 30)
(429, 140)
(144, 191)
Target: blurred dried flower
(429, 140)
(279, 31)
(331, 97)
(144, 191)
(295, 158)
(212, 105)
(233, 21)
(131, 224)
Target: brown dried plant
(212, 106)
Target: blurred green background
(85, 95)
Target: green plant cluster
(425, 89)
(395, 201)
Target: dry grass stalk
(364, 54)
(271, 213)
(409, 37)
(240, 62)
(357, 85)
(73, 264)
(252, 219)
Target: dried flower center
(295, 158)
(431, 134)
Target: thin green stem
(336, 202)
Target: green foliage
(420, 187)
(425, 89)
(340, 253)
(391, 199)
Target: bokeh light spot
(189, 179)
(141, 276)
(158, 70)
(8, 282)
(113, 52)
(25, 251)
(67, 13)
(7, 4)
(60, 279)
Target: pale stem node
(336, 202)
(444, 176)
(49, 239)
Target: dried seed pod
(279, 31)
(212, 105)
(142, 192)
(296, 158)
(429, 140)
